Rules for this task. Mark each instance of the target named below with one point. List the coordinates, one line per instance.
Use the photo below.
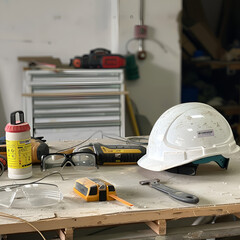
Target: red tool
(99, 58)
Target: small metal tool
(179, 195)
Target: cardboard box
(43, 62)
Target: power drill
(99, 58)
(114, 154)
(39, 148)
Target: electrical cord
(22, 220)
(161, 45)
(79, 144)
(128, 140)
(16, 185)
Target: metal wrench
(179, 195)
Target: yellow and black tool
(115, 154)
(38, 146)
(96, 189)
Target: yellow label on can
(19, 153)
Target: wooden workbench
(217, 189)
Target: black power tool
(99, 58)
(114, 154)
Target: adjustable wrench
(179, 195)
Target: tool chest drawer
(74, 104)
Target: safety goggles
(30, 195)
(78, 160)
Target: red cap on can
(17, 126)
(23, 127)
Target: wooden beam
(158, 226)
(66, 234)
(229, 110)
(237, 215)
(74, 94)
(120, 218)
(187, 44)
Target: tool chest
(73, 104)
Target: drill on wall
(99, 58)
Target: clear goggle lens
(31, 195)
(77, 160)
(41, 195)
(85, 159)
(7, 196)
(52, 161)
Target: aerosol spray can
(18, 142)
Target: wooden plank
(208, 40)
(229, 110)
(233, 66)
(66, 234)
(120, 218)
(237, 215)
(206, 231)
(158, 226)
(74, 94)
(187, 45)
(41, 59)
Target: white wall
(59, 28)
(64, 29)
(159, 85)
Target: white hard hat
(185, 133)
